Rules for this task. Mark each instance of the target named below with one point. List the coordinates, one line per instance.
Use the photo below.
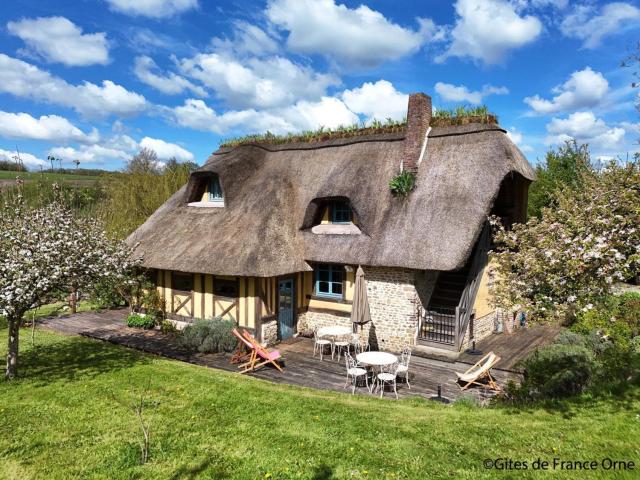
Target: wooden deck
(301, 368)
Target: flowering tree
(571, 257)
(45, 250)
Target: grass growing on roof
(441, 118)
(63, 419)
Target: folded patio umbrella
(360, 309)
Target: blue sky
(98, 80)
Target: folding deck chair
(265, 356)
(480, 371)
(243, 351)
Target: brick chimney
(418, 118)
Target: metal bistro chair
(341, 343)
(319, 344)
(403, 366)
(387, 376)
(354, 372)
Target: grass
(54, 177)
(64, 419)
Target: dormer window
(340, 212)
(204, 190)
(214, 192)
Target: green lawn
(7, 175)
(63, 419)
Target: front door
(285, 309)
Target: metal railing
(438, 324)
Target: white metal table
(334, 331)
(376, 359)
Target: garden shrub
(617, 317)
(209, 336)
(557, 371)
(105, 296)
(567, 337)
(141, 320)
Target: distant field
(6, 175)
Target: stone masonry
(393, 301)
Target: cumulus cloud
(57, 39)
(166, 150)
(247, 39)
(147, 72)
(487, 30)
(517, 138)
(460, 93)
(256, 82)
(584, 89)
(119, 148)
(28, 81)
(590, 26)
(329, 112)
(378, 100)
(359, 37)
(586, 128)
(29, 160)
(152, 8)
(47, 127)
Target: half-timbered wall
(203, 302)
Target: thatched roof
(268, 190)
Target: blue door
(285, 309)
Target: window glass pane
(323, 274)
(337, 274)
(181, 281)
(225, 288)
(215, 192)
(341, 212)
(336, 288)
(323, 287)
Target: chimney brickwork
(418, 119)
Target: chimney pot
(418, 119)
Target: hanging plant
(401, 185)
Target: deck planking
(301, 368)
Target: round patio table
(334, 331)
(376, 359)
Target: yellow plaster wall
(482, 304)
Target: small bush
(401, 185)
(140, 320)
(567, 337)
(167, 327)
(557, 371)
(617, 317)
(209, 336)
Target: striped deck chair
(261, 355)
(480, 371)
(243, 351)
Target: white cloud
(378, 100)
(586, 128)
(59, 40)
(329, 112)
(487, 30)
(256, 82)
(47, 127)
(591, 27)
(516, 137)
(152, 8)
(584, 89)
(166, 150)
(247, 39)
(29, 160)
(28, 81)
(145, 70)
(460, 93)
(355, 37)
(97, 154)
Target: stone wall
(393, 300)
(269, 333)
(484, 326)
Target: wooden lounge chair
(261, 355)
(480, 371)
(243, 351)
